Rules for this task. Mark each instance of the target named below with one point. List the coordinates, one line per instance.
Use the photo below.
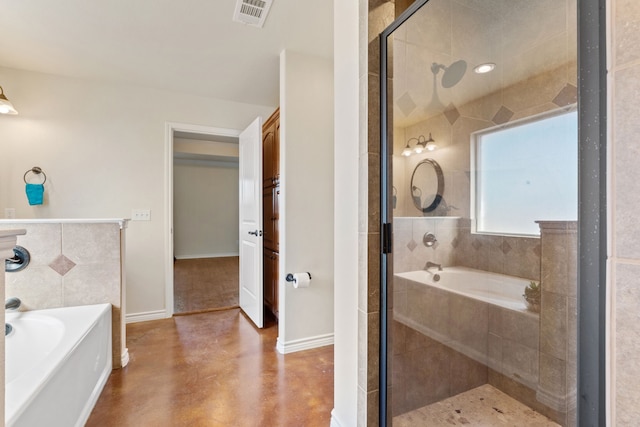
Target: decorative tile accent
(537, 250)
(62, 265)
(412, 245)
(455, 242)
(476, 244)
(502, 116)
(451, 113)
(567, 96)
(406, 104)
(506, 247)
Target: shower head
(452, 74)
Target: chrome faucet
(12, 303)
(430, 264)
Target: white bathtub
(498, 289)
(57, 362)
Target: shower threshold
(481, 406)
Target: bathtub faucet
(430, 264)
(12, 303)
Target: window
(524, 172)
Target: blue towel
(35, 193)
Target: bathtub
(56, 363)
(479, 314)
(498, 289)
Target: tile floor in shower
(479, 407)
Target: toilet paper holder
(290, 278)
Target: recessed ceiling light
(484, 68)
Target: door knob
(256, 233)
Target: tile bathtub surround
(72, 264)
(457, 246)
(558, 315)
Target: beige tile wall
(72, 264)
(624, 201)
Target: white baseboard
(147, 315)
(304, 343)
(334, 420)
(217, 255)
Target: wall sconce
(5, 106)
(422, 144)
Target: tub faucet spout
(12, 303)
(430, 264)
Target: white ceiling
(188, 46)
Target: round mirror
(427, 185)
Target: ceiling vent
(252, 12)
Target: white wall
(205, 209)
(346, 83)
(306, 210)
(102, 147)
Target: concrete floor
(203, 284)
(215, 369)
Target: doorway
(202, 190)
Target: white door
(251, 298)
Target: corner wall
(306, 207)
(347, 94)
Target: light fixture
(430, 143)
(5, 106)
(484, 68)
(422, 144)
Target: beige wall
(306, 203)
(347, 97)
(624, 205)
(103, 149)
(205, 209)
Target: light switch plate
(141, 214)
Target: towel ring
(36, 170)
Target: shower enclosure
(480, 131)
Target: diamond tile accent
(455, 242)
(406, 104)
(506, 247)
(476, 244)
(567, 96)
(451, 113)
(412, 245)
(62, 265)
(537, 250)
(502, 116)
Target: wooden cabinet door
(275, 223)
(271, 281)
(268, 142)
(271, 217)
(271, 150)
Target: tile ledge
(121, 221)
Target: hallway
(215, 369)
(205, 284)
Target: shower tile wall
(72, 264)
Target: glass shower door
(483, 183)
